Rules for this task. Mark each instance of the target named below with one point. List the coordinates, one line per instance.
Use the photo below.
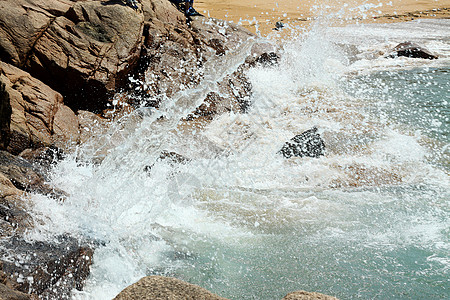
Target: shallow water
(370, 219)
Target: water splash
(237, 218)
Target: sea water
(369, 219)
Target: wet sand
(261, 16)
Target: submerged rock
(47, 269)
(410, 49)
(308, 143)
(302, 295)
(159, 288)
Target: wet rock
(13, 216)
(43, 159)
(302, 295)
(410, 49)
(48, 269)
(159, 288)
(172, 158)
(24, 176)
(38, 116)
(308, 143)
(91, 125)
(175, 53)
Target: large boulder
(38, 116)
(159, 288)
(50, 270)
(82, 49)
(413, 50)
(22, 23)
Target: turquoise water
(418, 98)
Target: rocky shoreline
(69, 68)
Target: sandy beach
(261, 16)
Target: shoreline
(260, 16)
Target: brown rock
(91, 125)
(159, 288)
(34, 109)
(302, 295)
(7, 293)
(42, 159)
(22, 24)
(83, 49)
(13, 217)
(163, 11)
(176, 56)
(88, 52)
(66, 131)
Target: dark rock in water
(172, 158)
(308, 143)
(48, 269)
(409, 49)
(268, 59)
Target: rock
(66, 131)
(13, 217)
(83, 49)
(38, 116)
(175, 55)
(308, 143)
(159, 288)
(302, 295)
(5, 116)
(7, 293)
(24, 176)
(91, 125)
(43, 159)
(410, 49)
(22, 23)
(48, 269)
